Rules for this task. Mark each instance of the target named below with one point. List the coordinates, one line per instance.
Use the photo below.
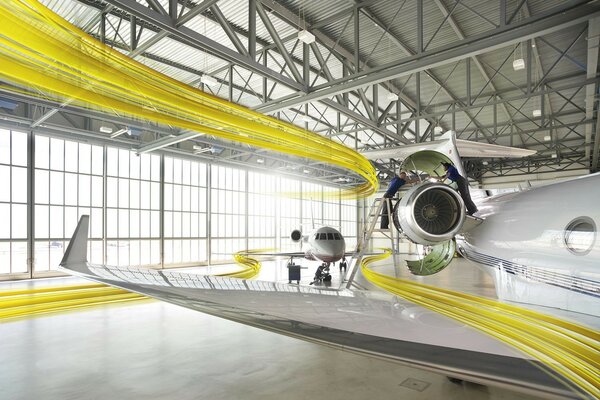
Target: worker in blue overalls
(396, 183)
(463, 186)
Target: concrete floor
(154, 350)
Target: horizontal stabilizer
(77, 251)
(465, 148)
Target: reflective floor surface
(153, 350)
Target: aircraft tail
(77, 251)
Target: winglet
(77, 251)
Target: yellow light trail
(26, 303)
(41, 51)
(571, 351)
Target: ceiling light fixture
(518, 64)
(105, 129)
(537, 113)
(306, 171)
(260, 160)
(306, 37)
(200, 149)
(547, 138)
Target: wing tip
(77, 250)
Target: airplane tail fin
(77, 251)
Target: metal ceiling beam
(155, 4)
(169, 135)
(196, 40)
(342, 54)
(553, 20)
(364, 121)
(295, 85)
(491, 102)
(277, 40)
(196, 10)
(228, 31)
(454, 25)
(593, 42)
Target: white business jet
(541, 246)
(325, 244)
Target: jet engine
(296, 235)
(430, 213)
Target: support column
(209, 214)
(418, 110)
(419, 26)
(30, 202)
(356, 40)
(252, 29)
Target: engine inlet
(430, 213)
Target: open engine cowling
(430, 213)
(296, 235)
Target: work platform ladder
(369, 228)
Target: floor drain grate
(415, 384)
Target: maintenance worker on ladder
(463, 186)
(397, 182)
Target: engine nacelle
(296, 235)
(430, 213)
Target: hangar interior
(369, 75)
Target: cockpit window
(323, 236)
(337, 236)
(316, 236)
(330, 236)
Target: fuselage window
(580, 235)
(330, 236)
(337, 236)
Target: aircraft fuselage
(324, 244)
(541, 245)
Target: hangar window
(580, 235)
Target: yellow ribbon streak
(33, 302)
(570, 350)
(251, 265)
(41, 51)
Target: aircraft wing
(271, 254)
(373, 323)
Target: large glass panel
(19, 148)
(42, 152)
(5, 150)
(6, 182)
(182, 226)
(131, 194)
(13, 202)
(62, 197)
